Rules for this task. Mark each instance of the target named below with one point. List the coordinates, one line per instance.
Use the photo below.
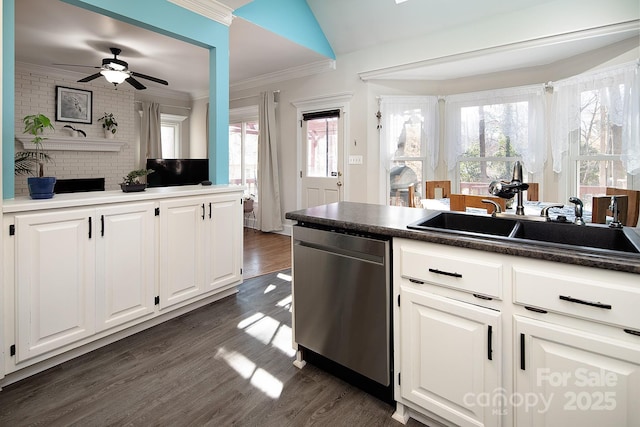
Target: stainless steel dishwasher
(341, 300)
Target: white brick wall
(36, 93)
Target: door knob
(339, 183)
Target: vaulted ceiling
(53, 32)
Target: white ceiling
(50, 32)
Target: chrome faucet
(496, 207)
(545, 211)
(613, 207)
(507, 190)
(579, 208)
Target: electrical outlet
(355, 160)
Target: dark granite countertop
(392, 221)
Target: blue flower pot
(41, 188)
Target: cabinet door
(181, 250)
(224, 241)
(570, 377)
(55, 280)
(125, 268)
(450, 357)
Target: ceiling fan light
(115, 77)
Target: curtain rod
(165, 105)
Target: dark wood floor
(226, 364)
(265, 253)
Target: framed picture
(74, 105)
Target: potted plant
(109, 124)
(131, 182)
(40, 187)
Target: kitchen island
(483, 328)
(82, 270)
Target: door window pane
(243, 155)
(322, 147)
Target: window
(170, 135)
(488, 132)
(590, 115)
(322, 143)
(243, 155)
(409, 145)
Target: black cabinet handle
(589, 303)
(444, 273)
(632, 332)
(489, 344)
(102, 225)
(535, 310)
(90, 227)
(483, 297)
(417, 282)
(522, 367)
(203, 211)
(209, 210)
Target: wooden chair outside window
(633, 206)
(431, 186)
(532, 192)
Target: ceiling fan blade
(153, 79)
(133, 82)
(77, 65)
(89, 78)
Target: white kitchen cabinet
(567, 376)
(182, 245)
(224, 242)
(55, 280)
(450, 357)
(448, 333)
(200, 241)
(125, 263)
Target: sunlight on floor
(259, 378)
(269, 289)
(283, 276)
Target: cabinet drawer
(463, 269)
(604, 296)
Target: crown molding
(330, 99)
(209, 9)
(289, 74)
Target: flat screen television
(171, 172)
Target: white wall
(549, 18)
(36, 94)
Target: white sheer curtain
(524, 124)
(620, 96)
(396, 112)
(150, 133)
(269, 211)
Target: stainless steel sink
(590, 237)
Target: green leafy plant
(35, 124)
(109, 122)
(134, 176)
(25, 161)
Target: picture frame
(74, 105)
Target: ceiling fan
(117, 71)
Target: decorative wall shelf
(75, 144)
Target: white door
(125, 267)
(322, 157)
(55, 280)
(569, 377)
(450, 357)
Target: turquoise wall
(8, 98)
(156, 15)
(292, 19)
